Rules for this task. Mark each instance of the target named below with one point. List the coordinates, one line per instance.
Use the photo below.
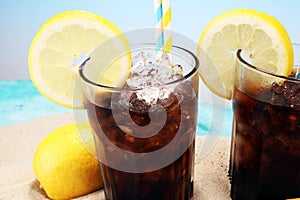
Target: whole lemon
(65, 163)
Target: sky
(21, 19)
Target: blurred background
(20, 20)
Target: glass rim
(188, 75)
(247, 64)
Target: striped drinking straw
(162, 9)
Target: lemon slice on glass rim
(263, 39)
(67, 38)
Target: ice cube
(163, 59)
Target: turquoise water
(20, 102)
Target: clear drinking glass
(265, 151)
(146, 151)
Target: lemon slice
(57, 51)
(262, 38)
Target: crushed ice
(150, 75)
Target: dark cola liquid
(171, 182)
(266, 149)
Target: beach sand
(18, 143)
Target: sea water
(20, 101)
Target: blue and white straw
(162, 9)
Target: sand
(19, 141)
